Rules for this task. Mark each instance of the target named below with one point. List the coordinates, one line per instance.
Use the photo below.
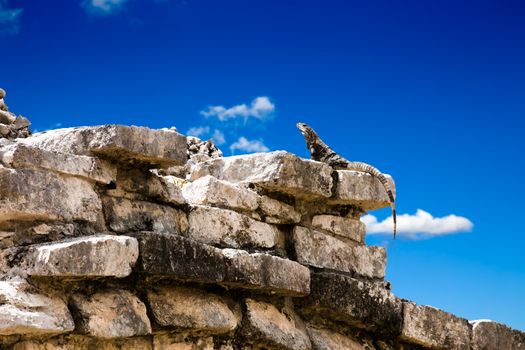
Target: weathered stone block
(277, 212)
(165, 342)
(210, 191)
(112, 314)
(192, 310)
(433, 328)
(42, 195)
(124, 215)
(489, 335)
(358, 303)
(150, 185)
(340, 226)
(76, 342)
(93, 256)
(360, 189)
(320, 250)
(227, 228)
(267, 326)
(180, 258)
(160, 148)
(25, 311)
(324, 339)
(275, 171)
(19, 155)
(266, 272)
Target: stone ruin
(11, 126)
(111, 239)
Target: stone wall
(111, 239)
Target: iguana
(320, 151)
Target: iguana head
(308, 133)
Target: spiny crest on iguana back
(321, 152)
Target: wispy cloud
(205, 131)
(260, 108)
(420, 225)
(245, 145)
(103, 7)
(9, 18)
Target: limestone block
(266, 325)
(210, 191)
(76, 342)
(275, 171)
(278, 212)
(25, 311)
(358, 303)
(93, 256)
(433, 328)
(183, 259)
(489, 335)
(150, 185)
(360, 189)
(324, 339)
(42, 195)
(180, 258)
(124, 215)
(156, 148)
(266, 272)
(19, 155)
(227, 228)
(165, 342)
(340, 226)
(320, 250)
(191, 309)
(113, 314)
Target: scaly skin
(321, 152)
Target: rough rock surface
(320, 250)
(23, 311)
(120, 238)
(275, 171)
(11, 126)
(114, 314)
(94, 256)
(191, 309)
(434, 328)
(265, 324)
(117, 142)
(489, 335)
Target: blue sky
(431, 92)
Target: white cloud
(198, 131)
(420, 225)
(9, 18)
(103, 7)
(260, 108)
(245, 145)
(218, 137)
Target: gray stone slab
(155, 148)
(226, 228)
(42, 195)
(360, 189)
(92, 256)
(341, 226)
(25, 311)
(358, 303)
(489, 335)
(433, 328)
(275, 171)
(317, 249)
(19, 155)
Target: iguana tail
(366, 168)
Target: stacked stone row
(103, 249)
(11, 126)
